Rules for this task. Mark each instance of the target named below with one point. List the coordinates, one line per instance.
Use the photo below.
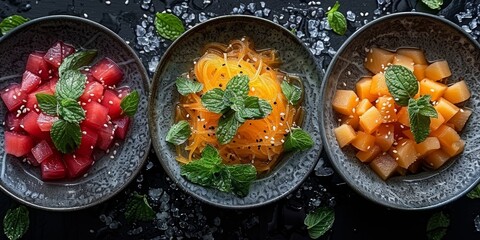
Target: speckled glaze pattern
(108, 175)
(178, 59)
(441, 40)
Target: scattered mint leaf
(129, 103)
(186, 86)
(337, 20)
(71, 111)
(419, 112)
(237, 87)
(291, 92)
(179, 133)
(77, 60)
(227, 127)
(433, 4)
(242, 176)
(168, 26)
(319, 222)
(11, 22)
(66, 136)
(401, 83)
(16, 222)
(138, 209)
(437, 226)
(255, 108)
(213, 101)
(71, 85)
(474, 193)
(297, 140)
(47, 103)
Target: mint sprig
(291, 92)
(138, 209)
(319, 222)
(433, 4)
(71, 111)
(70, 85)
(186, 86)
(16, 222)
(48, 103)
(66, 136)
(11, 22)
(297, 140)
(474, 193)
(168, 26)
(337, 20)
(437, 226)
(77, 60)
(129, 103)
(178, 133)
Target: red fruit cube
(42, 151)
(122, 127)
(88, 142)
(96, 115)
(107, 72)
(30, 81)
(38, 66)
(105, 136)
(32, 160)
(53, 168)
(89, 76)
(45, 122)
(123, 91)
(93, 92)
(77, 165)
(17, 144)
(57, 53)
(53, 84)
(29, 124)
(13, 97)
(12, 122)
(112, 102)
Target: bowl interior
(114, 170)
(441, 40)
(179, 58)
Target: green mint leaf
(337, 20)
(425, 108)
(255, 108)
(66, 136)
(237, 87)
(474, 193)
(419, 124)
(297, 140)
(71, 85)
(47, 103)
(168, 26)
(71, 111)
(227, 127)
(319, 222)
(186, 86)
(213, 101)
(179, 133)
(11, 22)
(291, 92)
(242, 176)
(401, 83)
(204, 170)
(437, 226)
(129, 103)
(237, 104)
(16, 222)
(77, 60)
(138, 209)
(433, 4)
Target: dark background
(181, 216)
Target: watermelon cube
(88, 141)
(38, 66)
(53, 83)
(112, 102)
(107, 72)
(57, 53)
(29, 124)
(123, 91)
(17, 144)
(32, 160)
(96, 115)
(30, 81)
(12, 122)
(53, 168)
(45, 122)
(13, 97)
(105, 136)
(77, 165)
(122, 127)
(42, 151)
(93, 92)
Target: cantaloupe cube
(377, 59)
(402, 116)
(457, 93)
(369, 155)
(363, 89)
(370, 120)
(415, 167)
(419, 71)
(403, 61)
(460, 119)
(438, 71)
(344, 101)
(351, 120)
(344, 134)
(417, 55)
(446, 108)
(404, 153)
(386, 107)
(384, 166)
(435, 123)
(436, 159)
(363, 106)
(450, 141)
(384, 136)
(363, 141)
(429, 145)
(379, 85)
(432, 88)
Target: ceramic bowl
(108, 175)
(178, 59)
(440, 39)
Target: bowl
(107, 176)
(178, 59)
(440, 39)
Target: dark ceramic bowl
(178, 59)
(440, 39)
(107, 176)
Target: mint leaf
(237, 87)
(227, 127)
(237, 104)
(16, 222)
(213, 101)
(138, 209)
(186, 86)
(437, 226)
(255, 108)
(71, 85)
(11, 22)
(433, 4)
(319, 222)
(71, 111)
(419, 123)
(47, 103)
(425, 108)
(337, 20)
(297, 140)
(66, 136)
(129, 103)
(242, 176)
(291, 92)
(474, 193)
(203, 170)
(168, 26)
(179, 133)
(77, 60)
(401, 83)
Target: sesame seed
(394, 151)
(14, 97)
(112, 157)
(91, 94)
(110, 102)
(105, 125)
(21, 125)
(369, 147)
(344, 84)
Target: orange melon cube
(417, 55)
(386, 107)
(377, 59)
(384, 136)
(432, 88)
(379, 85)
(457, 93)
(449, 139)
(415, 167)
(460, 119)
(403, 60)
(436, 159)
(384, 166)
(446, 108)
(435, 123)
(363, 141)
(429, 145)
(351, 120)
(362, 88)
(370, 120)
(363, 106)
(438, 71)
(419, 71)
(404, 153)
(344, 134)
(369, 155)
(344, 101)
(402, 117)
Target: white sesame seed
(110, 102)
(21, 125)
